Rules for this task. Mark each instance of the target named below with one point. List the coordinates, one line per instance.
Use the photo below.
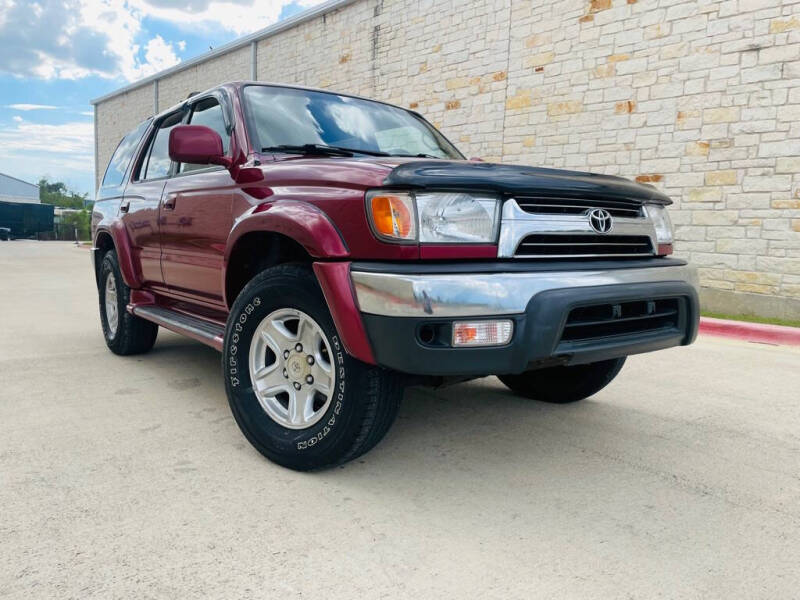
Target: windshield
(281, 116)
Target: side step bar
(208, 333)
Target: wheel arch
(275, 233)
(297, 232)
(116, 238)
(254, 252)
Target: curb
(751, 332)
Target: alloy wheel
(290, 368)
(112, 312)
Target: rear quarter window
(118, 165)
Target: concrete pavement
(128, 478)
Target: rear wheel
(561, 385)
(295, 393)
(124, 333)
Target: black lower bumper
(558, 326)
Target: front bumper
(401, 307)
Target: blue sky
(56, 55)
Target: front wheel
(295, 393)
(561, 385)
(124, 333)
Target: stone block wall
(700, 98)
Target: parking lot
(128, 478)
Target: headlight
(438, 217)
(457, 217)
(660, 217)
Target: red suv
(336, 249)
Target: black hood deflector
(520, 180)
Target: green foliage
(79, 220)
(57, 194)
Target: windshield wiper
(321, 150)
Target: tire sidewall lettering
(233, 347)
(337, 405)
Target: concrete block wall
(234, 65)
(700, 98)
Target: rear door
(196, 214)
(141, 203)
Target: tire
(131, 335)
(262, 337)
(561, 385)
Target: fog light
(482, 333)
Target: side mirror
(197, 144)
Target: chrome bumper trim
(488, 294)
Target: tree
(57, 194)
(76, 220)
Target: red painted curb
(751, 332)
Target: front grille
(624, 318)
(572, 206)
(545, 245)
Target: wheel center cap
(297, 367)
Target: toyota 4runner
(336, 249)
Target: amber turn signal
(393, 216)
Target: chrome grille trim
(516, 224)
(575, 206)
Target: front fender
(131, 274)
(303, 222)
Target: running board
(208, 333)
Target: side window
(208, 112)
(115, 172)
(157, 162)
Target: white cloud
(64, 152)
(72, 39)
(238, 16)
(31, 106)
(158, 55)
(122, 22)
(16, 119)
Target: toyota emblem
(601, 220)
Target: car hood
(415, 173)
(517, 180)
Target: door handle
(169, 202)
(125, 206)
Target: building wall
(700, 98)
(116, 117)
(16, 190)
(232, 66)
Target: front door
(139, 210)
(141, 203)
(195, 217)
